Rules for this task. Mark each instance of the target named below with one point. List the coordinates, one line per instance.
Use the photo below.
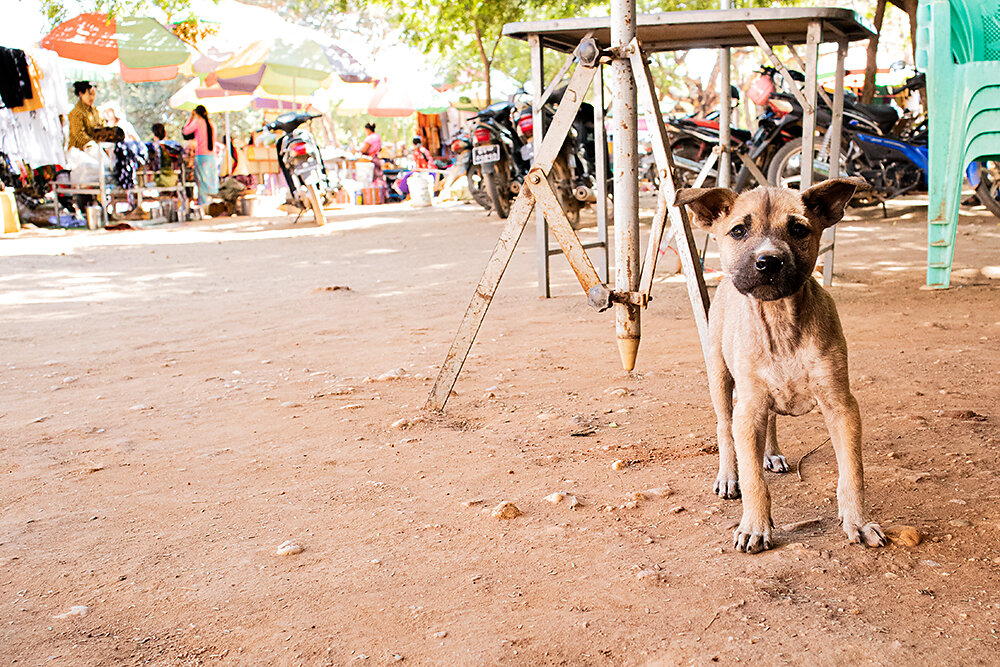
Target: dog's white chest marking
(788, 383)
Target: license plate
(485, 154)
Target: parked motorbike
(692, 140)
(504, 148)
(301, 163)
(461, 148)
(498, 151)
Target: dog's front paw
(752, 536)
(775, 463)
(869, 534)
(727, 486)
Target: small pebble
(289, 548)
(440, 635)
(658, 492)
(76, 610)
(506, 510)
(907, 536)
(618, 465)
(555, 498)
(959, 523)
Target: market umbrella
(219, 100)
(396, 97)
(144, 48)
(282, 67)
(472, 94)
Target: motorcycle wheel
(559, 179)
(785, 170)
(988, 189)
(497, 187)
(477, 187)
(689, 149)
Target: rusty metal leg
(504, 249)
(707, 169)
(626, 205)
(548, 205)
(481, 299)
(601, 153)
(690, 262)
(541, 227)
(809, 112)
(836, 130)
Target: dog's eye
(738, 232)
(798, 230)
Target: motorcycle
(504, 148)
(692, 140)
(301, 162)
(499, 152)
(461, 148)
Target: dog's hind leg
(720, 385)
(843, 419)
(774, 460)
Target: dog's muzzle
(767, 273)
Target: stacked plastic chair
(958, 47)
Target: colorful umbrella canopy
(218, 100)
(393, 97)
(283, 67)
(137, 42)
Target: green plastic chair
(958, 47)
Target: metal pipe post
(541, 226)
(626, 182)
(836, 131)
(809, 116)
(601, 153)
(725, 158)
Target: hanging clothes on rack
(15, 80)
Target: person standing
(84, 118)
(371, 147)
(206, 168)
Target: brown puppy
(777, 341)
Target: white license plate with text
(485, 154)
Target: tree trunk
(871, 65)
(487, 62)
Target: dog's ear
(708, 204)
(825, 202)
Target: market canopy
(396, 97)
(218, 100)
(137, 42)
(283, 67)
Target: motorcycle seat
(495, 111)
(884, 115)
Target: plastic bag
(84, 165)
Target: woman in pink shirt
(206, 168)
(371, 147)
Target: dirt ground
(178, 402)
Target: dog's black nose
(768, 263)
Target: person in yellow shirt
(84, 118)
